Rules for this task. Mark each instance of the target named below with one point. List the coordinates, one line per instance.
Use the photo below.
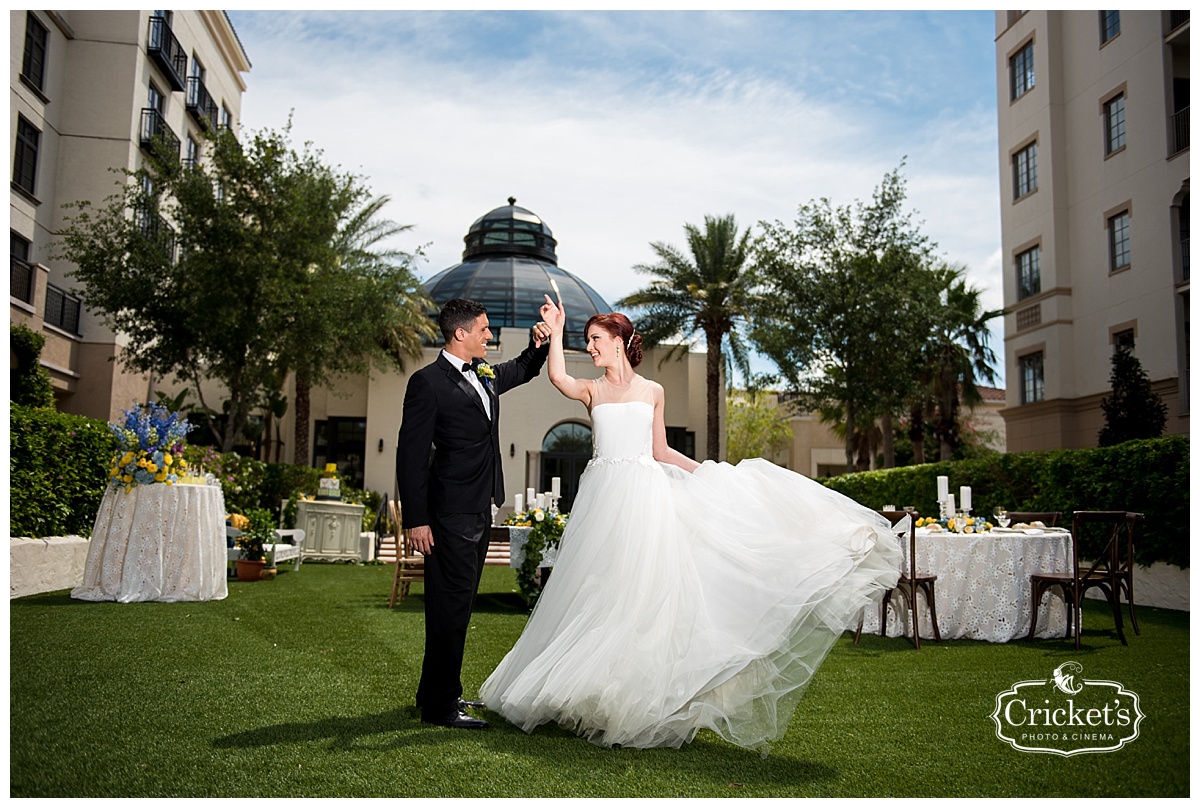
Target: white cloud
(618, 129)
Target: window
(1118, 241)
(197, 71)
(62, 309)
(1110, 25)
(682, 440)
(1123, 338)
(1029, 273)
(1020, 70)
(21, 283)
(1114, 124)
(226, 121)
(193, 153)
(25, 158)
(155, 99)
(33, 63)
(1025, 171)
(1033, 381)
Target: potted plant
(252, 543)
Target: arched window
(566, 450)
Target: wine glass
(1001, 516)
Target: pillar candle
(530, 497)
(556, 487)
(964, 494)
(950, 504)
(519, 503)
(943, 484)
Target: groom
(449, 472)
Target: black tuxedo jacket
(448, 455)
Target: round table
(157, 542)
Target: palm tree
(708, 292)
(958, 355)
(368, 306)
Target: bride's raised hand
(553, 315)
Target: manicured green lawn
(303, 687)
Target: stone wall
(45, 565)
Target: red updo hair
(618, 325)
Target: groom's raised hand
(540, 333)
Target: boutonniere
(485, 371)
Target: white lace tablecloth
(157, 542)
(983, 589)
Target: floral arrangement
(259, 531)
(546, 530)
(485, 371)
(970, 524)
(150, 446)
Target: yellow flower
(126, 459)
(182, 463)
(152, 468)
(167, 459)
(160, 477)
(485, 370)
(127, 478)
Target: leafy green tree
(710, 293)
(846, 317)
(220, 270)
(753, 426)
(1132, 411)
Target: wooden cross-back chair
(1111, 572)
(910, 584)
(1047, 518)
(410, 565)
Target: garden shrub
(58, 470)
(29, 382)
(1148, 476)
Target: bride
(685, 595)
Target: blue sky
(619, 127)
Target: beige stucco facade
(1106, 110)
(85, 95)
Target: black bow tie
(466, 367)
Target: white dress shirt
(473, 379)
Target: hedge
(1147, 476)
(58, 468)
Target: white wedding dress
(685, 601)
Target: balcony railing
(200, 104)
(167, 53)
(155, 228)
(21, 286)
(62, 309)
(1178, 18)
(1181, 130)
(155, 125)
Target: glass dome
(507, 266)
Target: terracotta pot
(250, 570)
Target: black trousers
(452, 573)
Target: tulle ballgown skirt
(688, 601)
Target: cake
(329, 486)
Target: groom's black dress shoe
(463, 704)
(457, 720)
